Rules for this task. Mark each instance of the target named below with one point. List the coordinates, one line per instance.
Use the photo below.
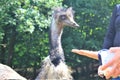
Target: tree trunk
(11, 46)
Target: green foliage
(93, 16)
(24, 28)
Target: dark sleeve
(109, 37)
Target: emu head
(65, 17)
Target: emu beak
(75, 24)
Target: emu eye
(63, 17)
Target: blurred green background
(24, 26)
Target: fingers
(107, 73)
(116, 73)
(104, 73)
(107, 69)
(108, 64)
(114, 49)
(110, 71)
(116, 70)
(100, 72)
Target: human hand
(111, 68)
(105, 69)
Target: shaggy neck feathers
(56, 51)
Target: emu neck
(56, 51)
(56, 31)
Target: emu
(54, 66)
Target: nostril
(75, 24)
